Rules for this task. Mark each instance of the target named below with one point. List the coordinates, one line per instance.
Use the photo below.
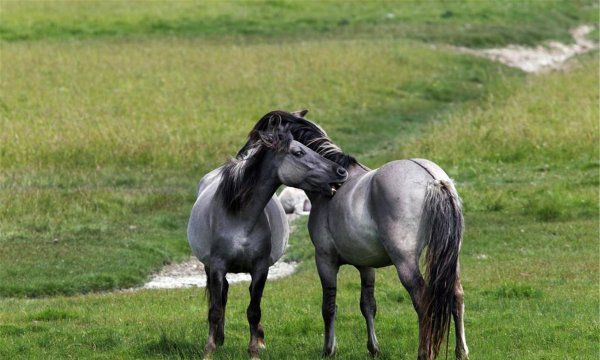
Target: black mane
(239, 176)
(303, 131)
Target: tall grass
(74, 105)
(103, 142)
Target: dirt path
(549, 56)
(191, 274)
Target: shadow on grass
(170, 346)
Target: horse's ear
(300, 113)
(268, 138)
(274, 122)
(278, 140)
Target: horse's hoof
(261, 344)
(462, 355)
(373, 349)
(209, 349)
(219, 340)
(329, 352)
(254, 352)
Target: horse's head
(299, 166)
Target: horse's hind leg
(411, 278)
(216, 276)
(462, 351)
(257, 335)
(328, 269)
(220, 337)
(368, 306)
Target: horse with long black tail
(238, 225)
(382, 217)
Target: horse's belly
(357, 241)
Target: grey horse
(238, 225)
(387, 217)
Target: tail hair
(442, 230)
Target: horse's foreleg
(462, 351)
(368, 306)
(257, 335)
(411, 278)
(328, 269)
(216, 276)
(220, 336)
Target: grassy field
(111, 113)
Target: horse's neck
(266, 186)
(357, 170)
(317, 199)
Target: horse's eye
(298, 153)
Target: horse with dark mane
(383, 217)
(237, 225)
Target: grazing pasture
(111, 114)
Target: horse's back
(375, 217)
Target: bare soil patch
(549, 56)
(191, 273)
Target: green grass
(111, 112)
(471, 23)
(531, 284)
(104, 144)
(538, 156)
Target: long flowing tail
(442, 229)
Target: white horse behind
(294, 201)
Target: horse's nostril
(341, 171)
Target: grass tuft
(545, 207)
(11, 330)
(515, 291)
(54, 315)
